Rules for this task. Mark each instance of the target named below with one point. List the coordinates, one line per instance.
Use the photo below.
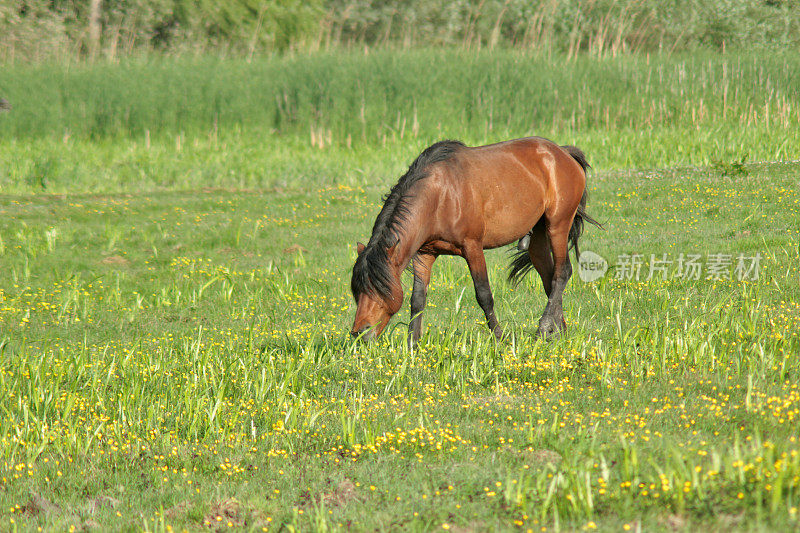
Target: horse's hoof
(549, 329)
(497, 331)
(524, 242)
(549, 335)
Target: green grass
(176, 239)
(170, 358)
(389, 95)
(353, 117)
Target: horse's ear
(360, 248)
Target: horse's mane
(371, 272)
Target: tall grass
(336, 118)
(375, 97)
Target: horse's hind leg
(540, 254)
(422, 277)
(476, 261)
(552, 321)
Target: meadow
(174, 303)
(357, 118)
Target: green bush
(41, 29)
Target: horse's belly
(508, 223)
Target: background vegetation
(356, 118)
(68, 29)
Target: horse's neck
(411, 233)
(411, 238)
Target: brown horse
(460, 200)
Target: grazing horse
(460, 200)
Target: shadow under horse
(460, 200)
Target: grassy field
(174, 349)
(355, 118)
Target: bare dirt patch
(341, 495)
(295, 249)
(224, 514)
(102, 502)
(178, 510)
(496, 400)
(115, 260)
(676, 522)
(534, 456)
(38, 505)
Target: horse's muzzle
(367, 333)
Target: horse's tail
(521, 262)
(581, 215)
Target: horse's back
(530, 151)
(528, 165)
(506, 187)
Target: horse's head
(377, 292)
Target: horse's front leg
(476, 261)
(422, 276)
